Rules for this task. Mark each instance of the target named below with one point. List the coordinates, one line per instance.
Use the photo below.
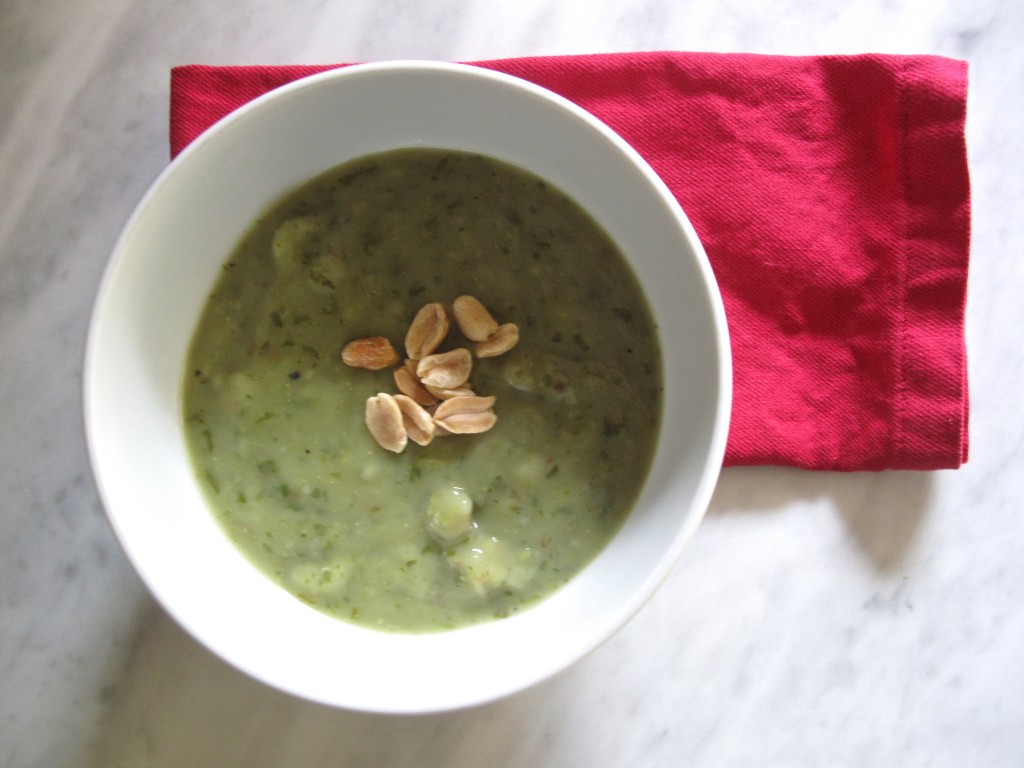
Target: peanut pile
(434, 395)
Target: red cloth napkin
(832, 196)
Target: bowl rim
(716, 445)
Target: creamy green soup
(275, 420)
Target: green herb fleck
(611, 428)
(370, 240)
(320, 277)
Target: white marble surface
(817, 619)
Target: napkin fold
(832, 196)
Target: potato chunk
(450, 515)
(487, 563)
(294, 238)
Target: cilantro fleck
(611, 428)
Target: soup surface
(275, 419)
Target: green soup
(275, 420)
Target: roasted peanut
(373, 353)
(445, 370)
(440, 393)
(418, 423)
(500, 342)
(427, 331)
(473, 319)
(466, 415)
(409, 384)
(385, 422)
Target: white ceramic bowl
(162, 270)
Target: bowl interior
(167, 261)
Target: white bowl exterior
(159, 278)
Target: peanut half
(473, 319)
(499, 342)
(440, 393)
(427, 331)
(445, 370)
(418, 423)
(466, 415)
(385, 421)
(409, 384)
